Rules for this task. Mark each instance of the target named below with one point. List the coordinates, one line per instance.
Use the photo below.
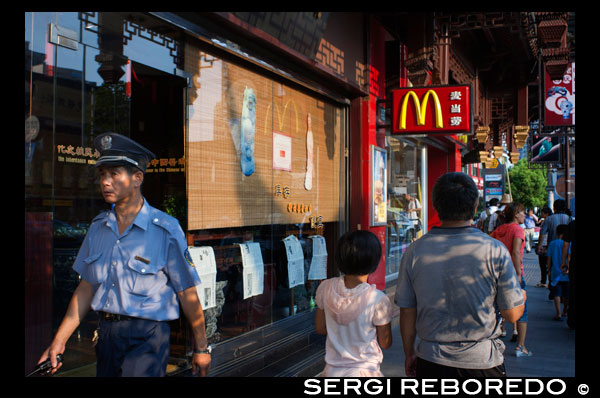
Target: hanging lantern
(482, 134)
(520, 135)
(514, 157)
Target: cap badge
(106, 142)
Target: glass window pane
(242, 189)
(405, 198)
(122, 79)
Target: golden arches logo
(421, 108)
(281, 115)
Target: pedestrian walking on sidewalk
(558, 280)
(540, 250)
(530, 221)
(450, 283)
(548, 231)
(569, 266)
(355, 316)
(513, 237)
(135, 272)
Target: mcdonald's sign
(432, 109)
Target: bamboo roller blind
(219, 194)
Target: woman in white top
(414, 209)
(355, 316)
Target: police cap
(117, 150)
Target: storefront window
(263, 166)
(405, 200)
(124, 76)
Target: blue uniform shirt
(138, 272)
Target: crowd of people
(458, 286)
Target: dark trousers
(571, 309)
(132, 348)
(432, 370)
(543, 261)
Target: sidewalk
(551, 342)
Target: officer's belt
(106, 316)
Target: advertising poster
(254, 269)
(493, 183)
(295, 259)
(559, 109)
(564, 187)
(206, 267)
(378, 186)
(545, 149)
(318, 264)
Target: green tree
(528, 186)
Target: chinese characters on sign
(285, 191)
(432, 109)
(77, 154)
(81, 155)
(162, 165)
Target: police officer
(136, 272)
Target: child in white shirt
(355, 316)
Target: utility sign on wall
(432, 110)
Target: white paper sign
(282, 152)
(295, 259)
(206, 267)
(254, 269)
(318, 264)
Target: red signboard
(432, 109)
(560, 99)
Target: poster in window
(378, 186)
(253, 269)
(318, 264)
(206, 267)
(282, 152)
(295, 258)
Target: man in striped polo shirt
(548, 232)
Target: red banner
(432, 109)
(559, 109)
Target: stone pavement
(551, 342)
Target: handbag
(418, 226)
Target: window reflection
(122, 78)
(405, 220)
